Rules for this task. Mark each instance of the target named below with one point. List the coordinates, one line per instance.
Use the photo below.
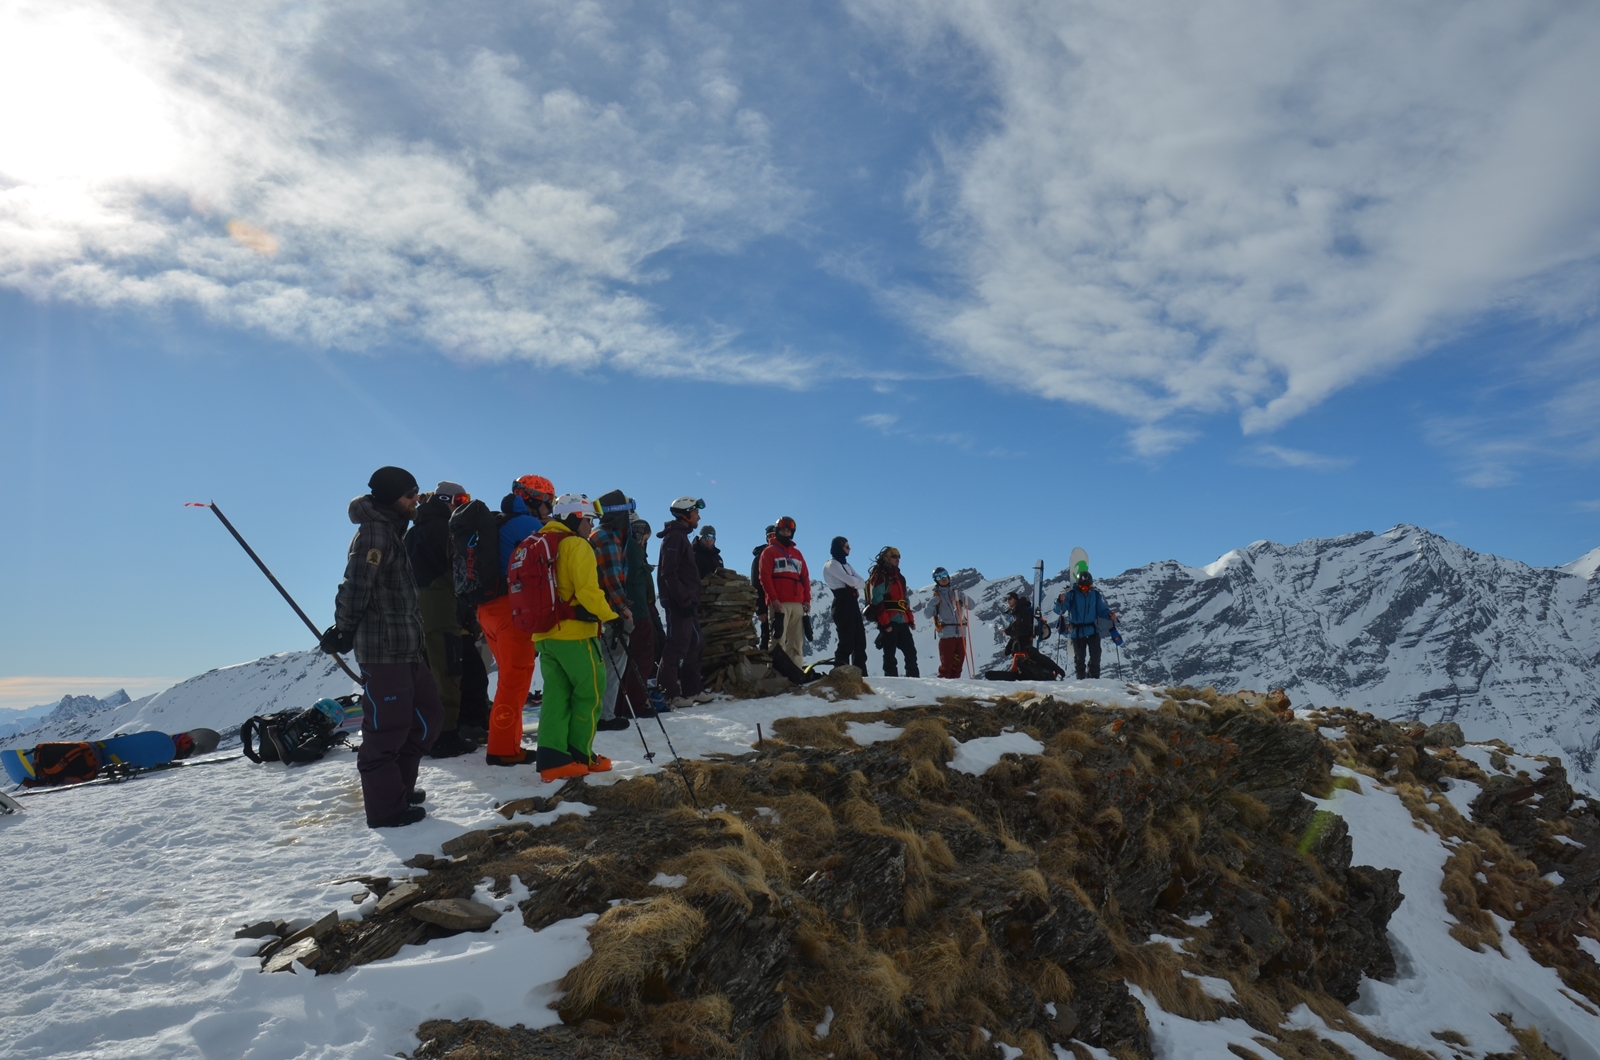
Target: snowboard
(8, 804)
(1078, 563)
(196, 742)
(139, 750)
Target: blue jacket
(1082, 610)
(521, 524)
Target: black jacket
(707, 557)
(755, 579)
(1020, 631)
(428, 542)
(677, 574)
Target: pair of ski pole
(966, 639)
(649, 756)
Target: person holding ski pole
(1084, 616)
(376, 613)
(523, 511)
(948, 608)
(574, 666)
(888, 605)
(846, 584)
(428, 548)
(786, 584)
(678, 579)
(609, 541)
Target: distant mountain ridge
(1403, 624)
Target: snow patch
(979, 755)
(1176, 1038)
(870, 732)
(663, 880)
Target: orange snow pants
(514, 655)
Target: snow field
(116, 933)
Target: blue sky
(987, 281)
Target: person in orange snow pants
(515, 656)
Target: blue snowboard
(141, 750)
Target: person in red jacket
(786, 583)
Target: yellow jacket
(578, 582)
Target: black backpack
(475, 553)
(289, 736)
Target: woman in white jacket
(846, 585)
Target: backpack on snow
(536, 604)
(475, 553)
(295, 736)
(63, 763)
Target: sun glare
(74, 104)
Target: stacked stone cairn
(732, 662)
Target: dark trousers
(400, 716)
(852, 632)
(635, 697)
(898, 635)
(474, 685)
(1091, 646)
(680, 660)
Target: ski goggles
(459, 499)
(625, 506)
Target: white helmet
(688, 504)
(574, 504)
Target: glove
(336, 641)
(806, 623)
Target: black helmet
(1085, 578)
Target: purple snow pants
(400, 718)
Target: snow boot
(571, 769)
(599, 764)
(521, 758)
(451, 744)
(410, 815)
(417, 796)
(612, 724)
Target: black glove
(806, 622)
(336, 641)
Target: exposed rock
(419, 861)
(262, 930)
(456, 914)
(1444, 734)
(306, 951)
(398, 898)
(842, 682)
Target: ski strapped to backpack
(295, 737)
(475, 553)
(536, 604)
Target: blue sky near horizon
(987, 282)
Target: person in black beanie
(839, 576)
(376, 613)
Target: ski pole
(357, 678)
(649, 756)
(681, 771)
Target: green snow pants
(441, 640)
(574, 681)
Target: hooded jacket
(784, 576)
(677, 574)
(1083, 611)
(578, 583)
(950, 609)
(428, 541)
(512, 532)
(378, 596)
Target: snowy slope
(1404, 624)
(140, 962)
(217, 699)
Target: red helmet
(534, 488)
(784, 527)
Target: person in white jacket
(846, 585)
(951, 611)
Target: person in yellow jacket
(574, 665)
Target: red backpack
(536, 604)
(63, 763)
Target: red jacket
(784, 577)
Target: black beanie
(389, 484)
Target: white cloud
(344, 175)
(1247, 205)
(1282, 456)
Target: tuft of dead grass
(817, 731)
(631, 944)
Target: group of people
(430, 576)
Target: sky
(984, 280)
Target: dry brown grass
(1529, 1043)
(631, 944)
(925, 739)
(826, 732)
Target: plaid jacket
(613, 567)
(378, 596)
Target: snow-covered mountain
(217, 699)
(67, 709)
(1404, 624)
